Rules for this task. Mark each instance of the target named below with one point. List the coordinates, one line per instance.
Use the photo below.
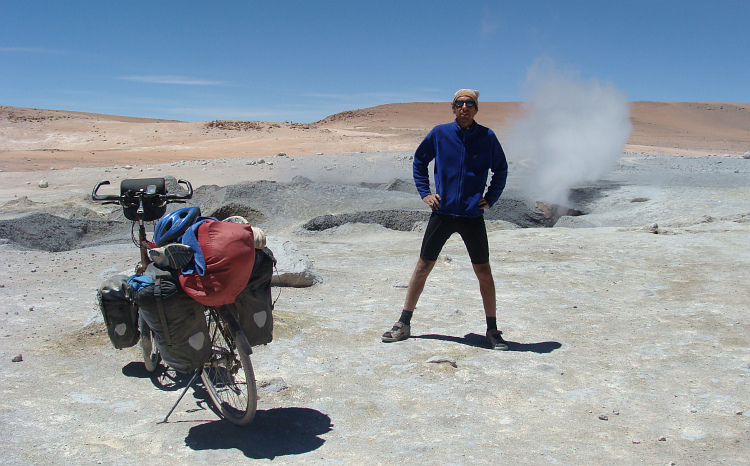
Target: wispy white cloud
(180, 80)
(488, 27)
(347, 96)
(235, 113)
(374, 98)
(27, 50)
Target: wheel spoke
(228, 375)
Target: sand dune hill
(34, 139)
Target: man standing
(464, 152)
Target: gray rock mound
(51, 233)
(394, 219)
(292, 267)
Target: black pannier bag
(253, 305)
(120, 315)
(179, 323)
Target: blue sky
(301, 61)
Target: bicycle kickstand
(190, 384)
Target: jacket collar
(471, 127)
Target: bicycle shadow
(164, 378)
(480, 341)
(273, 433)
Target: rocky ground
(627, 326)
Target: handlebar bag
(178, 322)
(120, 315)
(153, 207)
(228, 250)
(253, 305)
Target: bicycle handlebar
(103, 197)
(125, 197)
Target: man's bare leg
(402, 330)
(416, 283)
(486, 288)
(489, 300)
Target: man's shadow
(274, 432)
(480, 341)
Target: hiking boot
(495, 337)
(174, 255)
(400, 331)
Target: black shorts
(472, 231)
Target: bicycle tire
(228, 375)
(151, 356)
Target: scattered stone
(43, 184)
(604, 417)
(746, 155)
(281, 154)
(18, 358)
(636, 442)
(128, 167)
(274, 385)
(441, 359)
(662, 439)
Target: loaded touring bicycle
(200, 324)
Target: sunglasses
(460, 103)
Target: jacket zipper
(462, 165)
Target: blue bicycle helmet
(173, 225)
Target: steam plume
(571, 131)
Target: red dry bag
(229, 252)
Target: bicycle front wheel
(228, 375)
(150, 354)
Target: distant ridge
(38, 114)
(36, 138)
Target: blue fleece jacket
(463, 159)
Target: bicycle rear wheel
(150, 354)
(228, 375)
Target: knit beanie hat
(474, 95)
